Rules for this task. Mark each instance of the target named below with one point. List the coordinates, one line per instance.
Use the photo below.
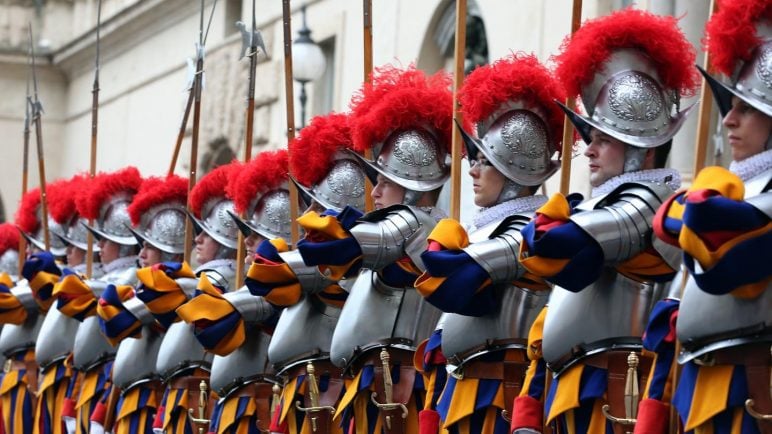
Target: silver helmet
(9, 262)
(344, 184)
(751, 80)
(114, 222)
(412, 158)
(271, 216)
(77, 235)
(516, 141)
(217, 222)
(163, 227)
(57, 247)
(627, 100)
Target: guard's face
(387, 193)
(487, 182)
(75, 256)
(251, 242)
(206, 248)
(748, 129)
(149, 255)
(108, 251)
(607, 157)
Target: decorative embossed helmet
(158, 213)
(9, 249)
(211, 210)
(64, 211)
(322, 169)
(519, 127)
(28, 218)
(106, 200)
(259, 191)
(739, 41)
(405, 117)
(631, 69)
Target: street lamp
(308, 63)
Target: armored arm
(388, 235)
(311, 280)
(621, 223)
(252, 309)
(498, 254)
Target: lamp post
(308, 63)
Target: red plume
(657, 36)
(265, 172)
(105, 185)
(730, 35)
(519, 77)
(9, 237)
(61, 198)
(311, 153)
(399, 99)
(155, 191)
(212, 185)
(26, 217)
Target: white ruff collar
(651, 175)
(216, 263)
(752, 166)
(120, 264)
(499, 211)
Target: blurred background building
(145, 45)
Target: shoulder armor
(23, 293)
(498, 254)
(762, 202)
(188, 285)
(97, 286)
(621, 221)
(125, 276)
(388, 234)
(222, 276)
(251, 308)
(139, 310)
(758, 184)
(671, 254)
(311, 280)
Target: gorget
(498, 212)
(752, 166)
(215, 264)
(120, 264)
(652, 175)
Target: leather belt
(262, 393)
(320, 419)
(393, 417)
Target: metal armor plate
(730, 317)
(56, 337)
(180, 350)
(90, 346)
(516, 310)
(610, 313)
(249, 360)
(15, 338)
(304, 330)
(131, 359)
(376, 314)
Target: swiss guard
(404, 118)
(630, 68)
(182, 362)
(722, 223)
(158, 217)
(490, 301)
(236, 326)
(331, 179)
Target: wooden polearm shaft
(289, 96)
(37, 110)
(458, 81)
(24, 173)
(94, 129)
(568, 128)
(703, 118)
(198, 82)
(181, 132)
(367, 33)
(253, 38)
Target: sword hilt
(202, 401)
(313, 386)
(388, 384)
(631, 394)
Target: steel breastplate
(21, 337)
(56, 338)
(304, 331)
(247, 362)
(180, 350)
(376, 314)
(131, 360)
(464, 337)
(609, 314)
(90, 347)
